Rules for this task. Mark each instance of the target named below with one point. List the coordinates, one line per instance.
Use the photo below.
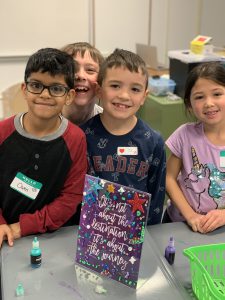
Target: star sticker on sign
(132, 260)
(136, 203)
(110, 188)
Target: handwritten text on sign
(111, 231)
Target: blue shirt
(144, 171)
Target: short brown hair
(123, 58)
(82, 47)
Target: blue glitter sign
(112, 228)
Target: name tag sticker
(26, 186)
(127, 151)
(222, 159)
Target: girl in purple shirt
(195, 179)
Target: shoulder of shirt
(146, 126)
(8, 122)
(189, 126)
(94, 120)
(7, 127)
(185, 130)
(73, 129)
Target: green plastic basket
(207, 265)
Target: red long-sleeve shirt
(58, 162)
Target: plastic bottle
(170, 251)
(19, 290)
(35, 254)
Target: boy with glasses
(42, 154)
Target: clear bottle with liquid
(170, 251)
(35, 254)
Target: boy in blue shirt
(121, 147)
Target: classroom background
(28, 25)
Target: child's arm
(212, 220)
(176, 195)
(16, 231)
(55, 214)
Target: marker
(35, 254)
(170, 251)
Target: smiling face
(44, 106)
(208, 102)
(122, 93)
(85, 79)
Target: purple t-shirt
(202, 177)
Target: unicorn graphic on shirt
(212, 182)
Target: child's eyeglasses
(54, 90)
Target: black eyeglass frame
(48, 87)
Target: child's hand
(15, 228)
(6, 234)
(195, 222)
(212, 220)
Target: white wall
(11, 71)
(183, 23)
(121, 23)
(159, 28)
(213, 21)
(27, 25)
(174, 24)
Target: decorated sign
(112, 228)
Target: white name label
(222, 159)
(26, 186)
(127, 151)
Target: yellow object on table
(200, 45)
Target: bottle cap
(35, 243)
(171, 242)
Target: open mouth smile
(119, 105)
(211, 113)
(81, 89)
